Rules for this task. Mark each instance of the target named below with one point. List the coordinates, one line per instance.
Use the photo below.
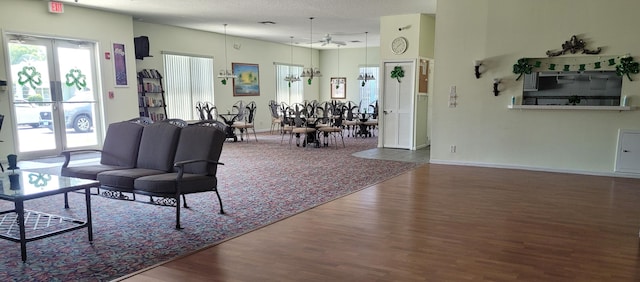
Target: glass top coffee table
(20, 225)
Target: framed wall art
(120, 65)
(338, 88)
(247, 81)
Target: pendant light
(225, 74)
(311, 72)
(366, 76)
(338, 82)
(291, 78)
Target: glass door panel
(77, 104)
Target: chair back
(323, 110)
(121, 144)
(239, 110)
(201, 141)
(298, 111)
(273, 108)
(158, 146)
(250, 112)
(350, 110)
(374, 109)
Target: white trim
(532, 168)
(561, 107)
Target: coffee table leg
(23, 238)
(87, 198)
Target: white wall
(194, 42)
(348, 66)
(500, 32)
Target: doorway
(54, 94)
(398, 105)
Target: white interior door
(398, 105)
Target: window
(188, 80)
(286, 93)
(368, 92)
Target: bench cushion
(87, 171)
(123, 179)
(165, 183)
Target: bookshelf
(151, 102)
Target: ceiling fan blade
(341, 43)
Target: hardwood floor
(441, 223)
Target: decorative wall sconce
(477, 64)
(496, 82)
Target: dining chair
(301, 128)
(287, 120)
(333, 130)
(351, 121)
(247, 121)
(372, 122)
(276, 118)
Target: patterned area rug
(260, 183)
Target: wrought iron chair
(300, 126)
(247, 122)
(351, 122)
(276, 118)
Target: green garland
(627, 66)
(397, 73)
(522, 67)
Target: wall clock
(399, 45)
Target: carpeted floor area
(261, 182)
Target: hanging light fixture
(338, 82)
(291, 78)
(311, 72)
(366, 76)
(225, 73)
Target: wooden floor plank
(441, 223)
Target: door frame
(381, 97)
(60, 140)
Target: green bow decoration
(522, 67)
(224, 81)
(627, 66)
(397, 73)
(75, 77)
(309, 81)
(30, 75)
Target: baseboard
(533, 168)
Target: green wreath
(522, 67)
(397, 73)
(627, 66)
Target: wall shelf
(567, 107)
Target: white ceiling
(345, 20)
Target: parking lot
(36, 139)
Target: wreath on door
(397, 73)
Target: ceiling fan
(327, 39)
